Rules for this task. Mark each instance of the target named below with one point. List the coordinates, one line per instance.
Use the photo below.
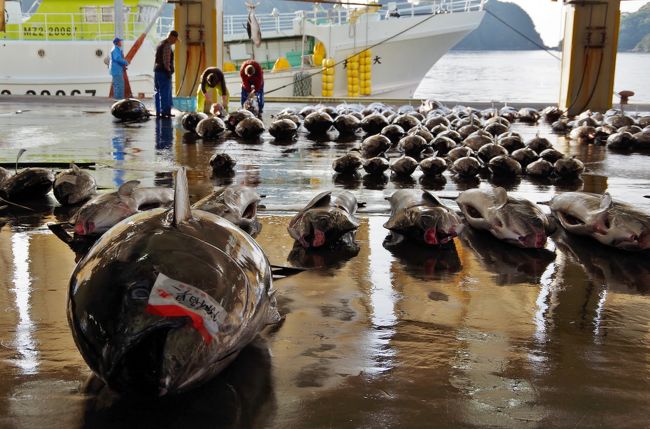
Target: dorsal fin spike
(20, 153)
(182, 210)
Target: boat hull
(402, 49)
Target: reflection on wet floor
(475, 334)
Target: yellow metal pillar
(196, 23)
(589, 55)
(2, 16)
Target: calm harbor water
(520, 76)
(478, 335)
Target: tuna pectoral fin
(280, 271)
(182, 210)
(606, 202)
(501, 197)
(272, 314)
(58, 230)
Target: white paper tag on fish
(171, 298)
(67, 178)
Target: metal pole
(302, 52)
(118, 21)
(220, 43)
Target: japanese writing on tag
(172, 298)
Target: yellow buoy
(229, 67)
(328, 77)
(319, 53)
(281, 64)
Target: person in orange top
(252, 80)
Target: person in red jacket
(252, 79)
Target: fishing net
(301, 84)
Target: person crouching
(212, 95)
(252, 80)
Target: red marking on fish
(319, 238)
(430, 236)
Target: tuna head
(237, 204)
(515, 221)
(426, 221)
(145, 323)
(102, 212)
(621, 226)
(322, 222)
(74, 186)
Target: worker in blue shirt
(117, 66)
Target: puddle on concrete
(477, 334)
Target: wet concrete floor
(478, 335)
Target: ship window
(90, 14)
(107, 14)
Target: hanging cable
(523, 35)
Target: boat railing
(76, 26)
(235, 25)
(72, 26)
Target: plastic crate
(184, 104)
(294, 58)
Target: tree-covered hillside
(635, 29)
(494, 35)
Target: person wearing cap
(117, 66)
(252, 79)
(163, 71)
(213, 90)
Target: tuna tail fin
(182, 210)
(20, 153)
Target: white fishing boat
(60, 48)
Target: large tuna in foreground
(513, 220)
(326, 219)
(612, 223)
(421, 217)
(167, 299)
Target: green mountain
(634, 31)
(493, 34)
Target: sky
(547, 16)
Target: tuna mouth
(250, 211)
(571, 220)
(315, 237)
(139, 370)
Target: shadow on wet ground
(472, 335)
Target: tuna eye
(139, 293)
